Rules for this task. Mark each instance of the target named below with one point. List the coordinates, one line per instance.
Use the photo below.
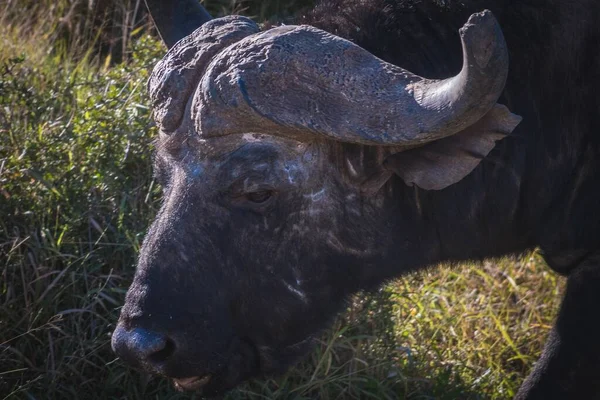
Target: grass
(76, 196)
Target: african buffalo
(303, 163)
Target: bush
(77, 196)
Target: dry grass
(76, 196)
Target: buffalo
(302, 163)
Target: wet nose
(140, 347)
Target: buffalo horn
(299, 81)
(175, 20)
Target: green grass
(76, 196)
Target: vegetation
(76, 195)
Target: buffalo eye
(259, 197)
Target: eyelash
(259, 197)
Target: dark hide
(250, 256)
(538, 187)
(524, 193)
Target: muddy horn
(175, 20)
(299, 80)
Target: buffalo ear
(444, 162)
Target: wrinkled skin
(260, 216)
(261, 239)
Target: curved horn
(177, 75)
(303, 81)
(175, 20)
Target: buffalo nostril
(163, 354)
(139, 346)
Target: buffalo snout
(143, 348)
(170, 356)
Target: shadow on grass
(362, 357)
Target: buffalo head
(280, 153)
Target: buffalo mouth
(212, 385)
(243, 364)
(249, 361)
(192, 384)
(207, 386)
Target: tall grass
(76, 196)
(105, 28)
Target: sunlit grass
(76, 196)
